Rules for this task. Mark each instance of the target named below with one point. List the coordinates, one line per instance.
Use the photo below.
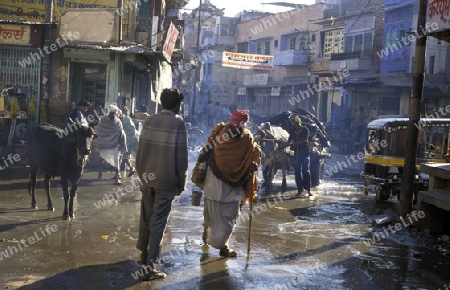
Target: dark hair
(361, 108)
(170, 98)
(83, 103)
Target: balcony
(344, 56)
(352, 61)
(290, 57)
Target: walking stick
(249, 230)
(250, 223)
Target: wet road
(314, 243)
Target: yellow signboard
(34, 10)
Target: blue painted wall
(398, 21)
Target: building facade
(126, 59)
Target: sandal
(227, 252)
(154, 274)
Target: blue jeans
(302, 174)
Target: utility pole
(409, 169)
(46, 60)
(308, 42)
(194, 93)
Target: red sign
(169, 43)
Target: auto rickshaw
(385, 153)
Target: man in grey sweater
(162, 163)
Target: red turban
(239, 117)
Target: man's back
(109, 131)
(163, 151)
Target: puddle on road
(337, 226)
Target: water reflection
(215, 274)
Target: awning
(397, 80)
(260, 38)
(124, 48)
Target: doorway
(88, 81)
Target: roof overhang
(124, 48)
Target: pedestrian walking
(298, 140)
(162, 163)
(132, 141)
(230, 179)
(111, 139)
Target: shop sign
(169, 43)
(438, 15)
(276, 91)
(82, 21)
(256, 79)
(242, 91)
(247, 61)
(15, 34)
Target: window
(333, 43)
(437, 138)
(348, 44)
(401, 32)
(387, 39)
(267, 48)
(372, 143)
(313, 37)
(431, 65)
(263, 48)
(275, 43)
(292, 43)
(302, 44)
(393, 36)
(358, 43)
(242, 47)
(367, 42)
